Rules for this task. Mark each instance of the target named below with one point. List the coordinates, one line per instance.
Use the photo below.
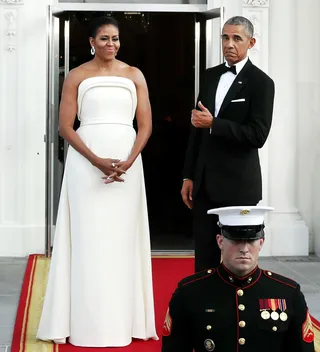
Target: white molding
(252, 3)
(255, 18)
(11, 2)
(11, 116)
(127, 7)
(10, 31)
(260, 20)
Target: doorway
(162, 46)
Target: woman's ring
(113, 165)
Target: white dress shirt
(225, 83)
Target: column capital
(251, 3)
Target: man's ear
(219, 241)
(261, 243)
(252, 43)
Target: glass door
(208, 51)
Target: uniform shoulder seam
(198, 276)
(280, 278)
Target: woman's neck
(104, 66)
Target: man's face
(240, 257)
(235, 43)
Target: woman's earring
(93, 50)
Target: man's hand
(203, 118)
(186, 193)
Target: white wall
(288, 50)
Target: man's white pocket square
(238, 100)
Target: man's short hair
(241, 21)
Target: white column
(289, 233)
(308, 122)
(257, 11)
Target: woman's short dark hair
(96, 23)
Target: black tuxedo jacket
(227, 160)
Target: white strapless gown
(99, 291)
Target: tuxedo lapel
(236, 86)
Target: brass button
(209, 327)
(242, 341)
(242, 324)
(269, 273)
(209, 271)
(241, 307)
(240, 293)
(274, 328)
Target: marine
(238, 307)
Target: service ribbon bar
(282, 304)
(273, 304)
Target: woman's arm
(144, 118)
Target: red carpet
(166, 273)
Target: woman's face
(106, 42)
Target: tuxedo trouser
(205, 230)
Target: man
(238, 306)
(231, 122)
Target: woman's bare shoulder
(80, 73)
(134, 74)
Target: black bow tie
(231, 69)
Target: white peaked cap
(241, 215)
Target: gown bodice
(106, 99)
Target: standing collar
(236, 281)
(239, 65)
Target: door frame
(127, 7)
(203, 14)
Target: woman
(99, 291)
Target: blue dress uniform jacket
(216, 311)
